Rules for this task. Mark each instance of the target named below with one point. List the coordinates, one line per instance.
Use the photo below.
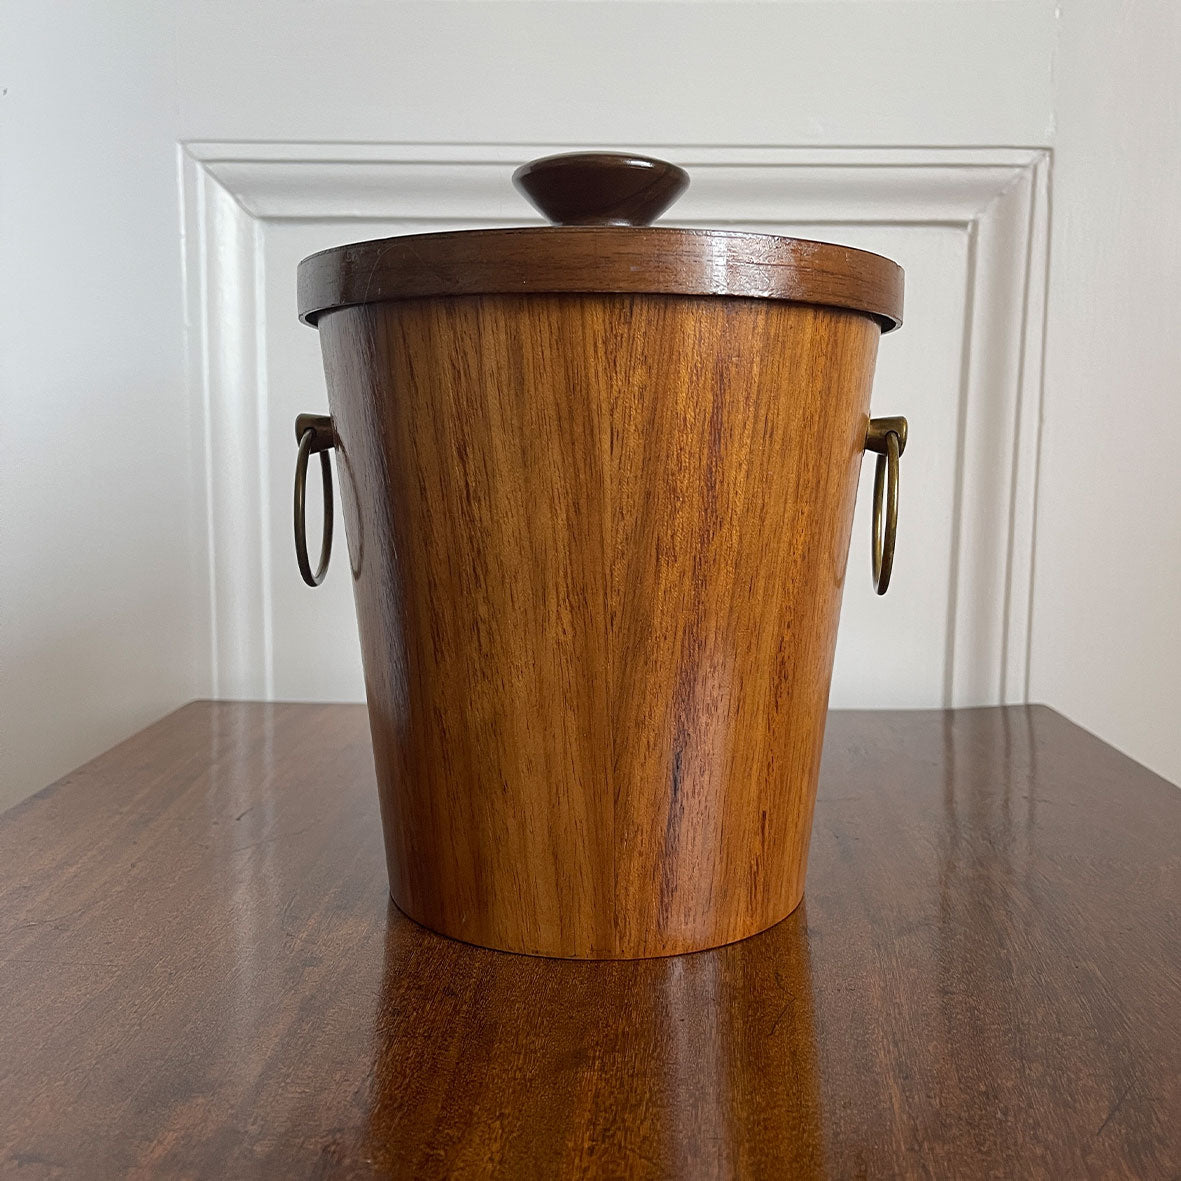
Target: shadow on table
(485, 1061)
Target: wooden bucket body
(598, 544)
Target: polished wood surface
(598, 545)
(601, 259)
(601, 188)
(202, 977)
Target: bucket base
(690, 948)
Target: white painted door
(365, 121)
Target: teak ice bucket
(598, 483)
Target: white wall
(98, 607)
(841, 72)
(1107, 602)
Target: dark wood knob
(601, 188)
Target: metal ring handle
(886, 436)
(885, 480)
(315, 433)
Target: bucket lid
(601, 204)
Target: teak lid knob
(601, 188)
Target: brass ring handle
(886, 436)
(315, 432)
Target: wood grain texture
(202, 977)
(602, 259)
(599, 545)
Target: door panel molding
(998, 198)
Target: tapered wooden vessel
(598, 537)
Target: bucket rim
(650, 260)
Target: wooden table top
(201, 975)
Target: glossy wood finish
(202, 977)
(639, 260)
(601, 188)
(598, 545)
